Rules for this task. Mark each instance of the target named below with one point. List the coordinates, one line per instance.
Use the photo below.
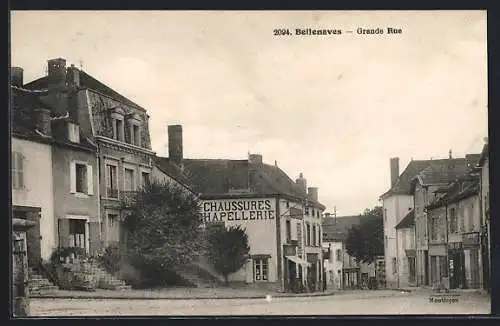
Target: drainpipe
(98, 193)
(446, 243)
(397, 257)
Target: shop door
(426, 267)
(474, 266)
(457, 270)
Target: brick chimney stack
(57, 73)
(313, 193)
(175, 150)
(302, 182)
(16, 76)
(394, 170)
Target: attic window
(73, 133)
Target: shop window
(261, 269)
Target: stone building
(406, 255)
(282, 218)
(343, 268)
(484, 170)
(118, 127)
(397, 202)
(454, 234)
(31, 169)
(437, 174)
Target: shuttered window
(17, 170)
(81, 178)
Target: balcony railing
(112, 193)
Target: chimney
(313, 193)
(43, 122)
(302, 182)
(57, 73)
(394, 170)
(16, 76)
(255, 158)
(449, 154)
(175, 145)
(73, 76)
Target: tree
(228, 250)
(163, 229)
(366, 240)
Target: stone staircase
(107, 281)
(39, 283)
(196, 276)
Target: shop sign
(250, 210)
(454, 245)
(289, 250)
(470, 239)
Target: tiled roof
(86, 81)
(484, 154)
(172, 170)
(407, 221)
(24, 102)
(447, 170)
(222, 176)
(216, 176)
(439, 171)
(402, 185)
(337, 228)
(465, 186)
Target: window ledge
(81, 195)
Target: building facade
(397, 202)
(455, 223)
(406, 254)
(119, 129)
(426, 188)
(282, 217)
(333, 263)
(483, 166)
(32, 193)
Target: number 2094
(281, 31)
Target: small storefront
(472, 260)
(456, 265)
(350, 278)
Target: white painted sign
(251, 210)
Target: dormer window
(73, 132)
(117, 116)
(134, 129)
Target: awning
(298, 260)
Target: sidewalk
(173, 294)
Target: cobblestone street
(355, 303)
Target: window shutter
(63, 228)
(72, 177)
(90, 180)
(20, 161)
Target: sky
(333, 107)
